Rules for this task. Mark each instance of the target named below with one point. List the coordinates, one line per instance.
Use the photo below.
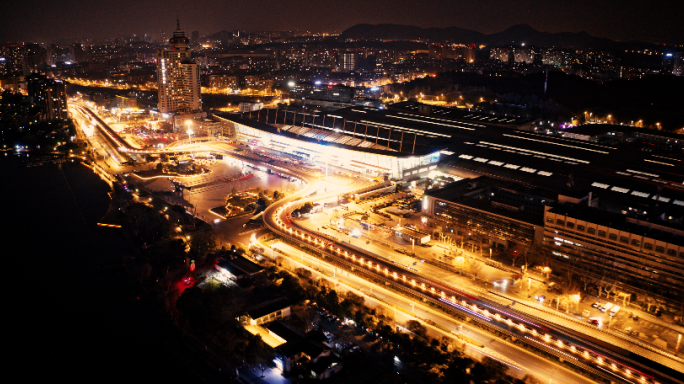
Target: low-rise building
(267, 312)
(413, 236)
(238, 268)
(322, 92)
(501, 213)
(647, 257)
(303, 352)
(223, 81)
(247, 106)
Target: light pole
(460, 260)
(190, 132)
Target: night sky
(44, 20)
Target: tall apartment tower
(178, 77)
(49, 95)
(50, 52)
(30, 64)
(348, 61)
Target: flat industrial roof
(246, 265)
(618, 221)
(453, 191)
(283, 331)
(240, 266)
(268, 307)
(599, 129)
(412, 232)
(456, 114)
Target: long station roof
(499, 147)
(621, 171)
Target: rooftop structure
(621, 133)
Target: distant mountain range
(517, 34)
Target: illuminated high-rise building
(49, 95)
(348, 61)
(178, 77)
(50, 54)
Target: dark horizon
(42, 22)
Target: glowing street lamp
(190, 131)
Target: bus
(606, 307)
(614, 310)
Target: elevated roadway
(191, 145)
(590, 353)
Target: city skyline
(655, 23)
(369, 192)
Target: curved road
(545, 335)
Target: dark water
(73, 313)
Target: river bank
(76, 313)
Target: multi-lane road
(520, 361)
(613, 363)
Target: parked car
(596, 305)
